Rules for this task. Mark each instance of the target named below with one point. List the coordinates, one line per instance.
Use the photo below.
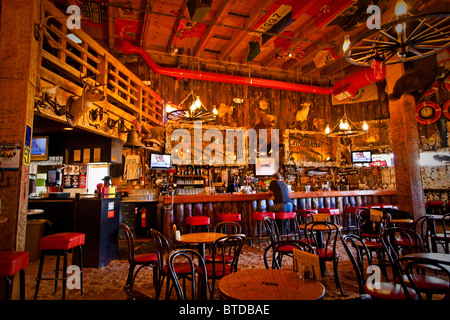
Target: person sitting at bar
(279, 189)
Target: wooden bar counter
(209, 205)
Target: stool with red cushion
(350, 212)
(436, 207)
(226, 217)
(195, 222)
(56, 244)
(285, 219)
(258, 218)
(12, 262)
(333, 212)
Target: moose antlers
(77, 108)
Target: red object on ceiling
(357, 80)
(325, 11)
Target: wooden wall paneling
(19, 56)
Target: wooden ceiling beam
(174, 28)
(240, 35)
(112, 13)
(220, 15)
(146, 25)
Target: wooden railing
(69, 64)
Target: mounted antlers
(77, 108)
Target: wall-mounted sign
(9, 156)
(27, 145)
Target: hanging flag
(324, 56)
(136, 123)
(282, 42)
(254, 50)
(128, 30)
(93, 13)
(367, 93)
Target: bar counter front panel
(98, 219)
(209, 205)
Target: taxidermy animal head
(154, 135)
(265, 121)
(79, 107)
(419, 76)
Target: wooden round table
(269, 284)
(200, 238)
(442, 258)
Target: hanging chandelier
(196, 112)
(345, 128)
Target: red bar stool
(12, 262)
(285, 218)
(194, 222)
(258, 218)
(333, 212)
(234, 217)
(349, 212)
(56, 244)
(436, 207)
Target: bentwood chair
(400, 242)
(183, 270)
(220, 265)
(356, 250)
(325, 235)
(443, 238)
(275, 237)
(229, 228)
(280, 247)
(424, 227)
(199, 281)
(141, 260)
(412, 269)
(303, 217)
(370, 232)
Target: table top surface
(35, 211)
(318, 227)
(269, 284)
(442, 257)
(435, 216)
(402, 220)
(200, 237)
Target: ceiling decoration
(408, 38)
(281, 40)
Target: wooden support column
(405, 145)
(19, 55)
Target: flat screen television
(39, 148)
(265, 167)
(361, 156)
(160, 161)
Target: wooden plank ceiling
(289, 40)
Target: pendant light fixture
(346, 128)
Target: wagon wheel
(406, 39)
(185, 115)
